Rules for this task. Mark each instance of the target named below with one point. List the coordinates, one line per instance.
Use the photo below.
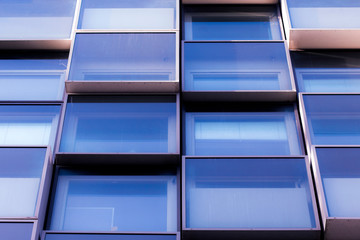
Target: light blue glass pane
(132, 57)
(114, 203)
(333, 119)
(246, 133)
(247, 193)
(16, 231)
(20, 175)
(129, 124)
(41, 19)
(128, 14)
(28, 125)
(25, 79)
(63, 236)
(235, 66)
(342, 14)
(340, 175)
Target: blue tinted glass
(235, 66)
(245, 133)
(28, 125)
(41, 19)
(114, 203)
(326, 71)
(16, 231)
(340, 175)
(20, 175)
(128, 14)
(324, 13)
(32, 79)
(59, 236)
(130, 124)
(233, 23)
(132, 57)
(333, 119)
(247, 193)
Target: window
(235, 66)
(32, 79)
(30, 125)
(124, 57)
(333, 119)
(35, 20)
(77, 236)
(248, 193)
(120, 124)
(135, 14)
(231, 23)
(89, 201)
(242, 133)
(16, 230)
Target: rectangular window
(333, 119)
(248, 193)
(20, 175)
(242, 133)
(120, 124)
(124, 57)
(340, 177)
(36, 20)
(83, 236)
(32, 79)
(235, 66)
(87, 201)
(231, 23)
(135, 14)
(17, 230)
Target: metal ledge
(63, 44)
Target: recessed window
(124, 57)
(135, 14)
(36, 20)
(87, 201)
(248, 193)
(120, 124)
(231, 23)
(242, 133)
(235, 66)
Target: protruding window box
(248, 198)
(124, 62)
(25, 176)
(36, 24)
(53, 235)
(322, 24)
(120, 129)
(337, 176)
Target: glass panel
(30, 125)
(128, 14)
(59, 236)
(248, 193)
(132, 57)
(16, 231)
(32, 79)
(333, 119)
(37, 19)
(326, 71)
(340, 175)
(86, 202)
(19, 186)
(235, 66)
(245, 133)
(342, 14)
(225, 23)
(127, 124)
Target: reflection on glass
(16, 230)
(123, 57)
(248, 193)
(127, 124)
(87, 202)
(235, 66)
(20, 175)
(77, 236)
